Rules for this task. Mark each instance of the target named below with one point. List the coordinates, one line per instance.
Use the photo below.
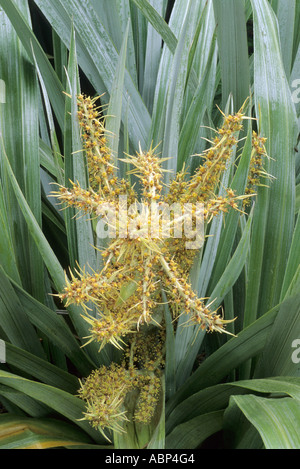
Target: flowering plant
(140, 262)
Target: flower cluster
(144, 257)
(104, 392)
(107, 390)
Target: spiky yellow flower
(101, 169)
(256, 169)
(203, 183)
(138, 256)
(105, 392)
(147, 167)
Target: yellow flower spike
(256, 169)
(149, 385)
(100, 163)
(191, 304)
(84, 200)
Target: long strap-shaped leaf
(233, 50)
(158, 23)
(286, 22)
(40, 369)
(249, 343)
(176, 22)
(217, 397)
(277, 356)
(14, 321)
(80, 232)
(30, 43)
(191, 434)
(7, 251)
(18, 432)
(293, 260)
(273, 220)
(54, 328)
(175, 96)
(19, 127)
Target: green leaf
(15, 402)
(276, 359)
(286, 22)
(115, 16)
(216, 398)
(233, 50)
(49, 257)
(277, 420)
(153, 50)
(210, 399)
(31, 45)
(114, 112)
(249, 343)
(234, 267)
(40, 369)
(97, 56)
(158, 23)
(60, 401)
(45, 249)
(293, 259)
(278, 385)
(47, 160)
(60, 57)
(193, 118)
(191, 434)
(277, 122)
(53, 326)
(80, 230)
(176, 22)
(19, 128)
(175, 95)
(7, 252)
(14, 321)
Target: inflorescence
(141, 261)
